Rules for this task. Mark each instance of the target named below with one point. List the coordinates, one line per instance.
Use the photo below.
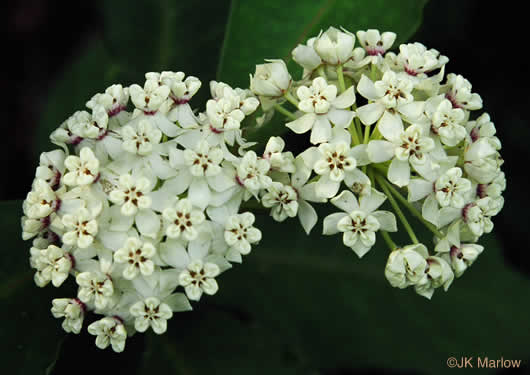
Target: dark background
(485, 41)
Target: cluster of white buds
(146, 201)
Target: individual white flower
(334, 162)
(494, 189)
(417, 60)
(151, 312)
(481, 161)
(240, 233)
(271, 79)
(51, 167)
(390, 99)
(279, 160)
(360, 220)
(252, 172)
(446, 121)
(81, 228)
(334, 46)
(41, 201)
(199, 172)
(477, 215)
(145, 153)
(322, 107)
(445, 187)
(181, 92)
(183, 220)
(374, 42)
(136, 255)
(114, 100)
(406, 266)
(481, 128)
(458, 91)
(199, 277)
(52, 264)
(248, 102)
(451, 188)
(462, 257)
(142, 139)
(437, 274)
(306, 56)
(73, 312)
(82, 125)
(109, 330)
(149, 98)
(131, 194)
(283, 200)
(95, 286)
(405, 147)
(82, 169)
(224, 114)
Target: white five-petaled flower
(391, 100)
(136, 255)
(458, 91)
(445, 121)
(142, 139)
(131, 194)
(41, 201)
(52, 264)
(444, 187)
(406, 266)
(51, 168)
(271, 79)
(322, 107)
(279, 160)
(334, 46)
(360, 220)
(82, 169)
(81, 228)
(149, 98)
(95, 286)
(306, 56)
(73, 312)
(240, 233)
(114, 100)
(374, 42)
(199, 277)
(405, 147)
(183, 220)
(438, 273)
(252, 172)
(283, 199)
(109, 330)
(334, 162)
(416, 60)
(199, 172)
(151, 312)
(462, 257)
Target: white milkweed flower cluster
(146, 201)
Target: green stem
(284, 111)
(290, 98)
(372, 72)
(385, 186)
(391, 244)
(340, 76)
(366, 134)
(354, 135)
(321, 72)
(414, 211)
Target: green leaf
(29, 332)
(307, 303)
